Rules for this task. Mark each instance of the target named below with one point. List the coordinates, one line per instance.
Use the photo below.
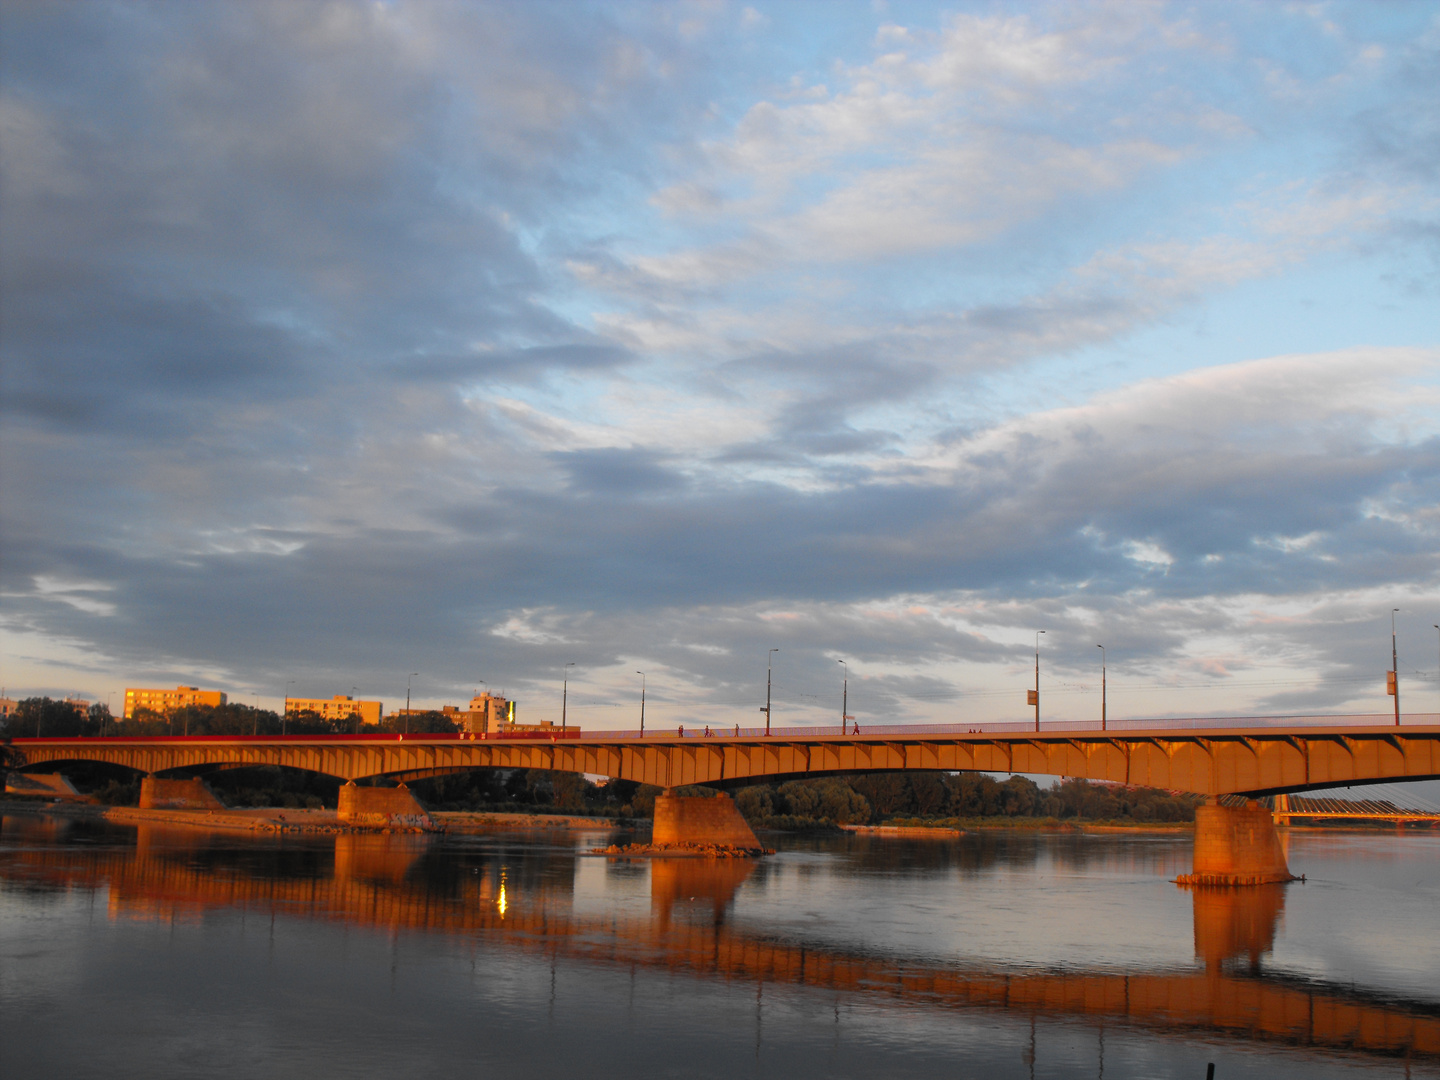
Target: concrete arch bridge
(1251, 756)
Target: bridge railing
(720, 731)
(1015, 727)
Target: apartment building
(166, 701)
(339, 707)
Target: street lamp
(354, 711)
(285, 709)
(642, 703)
(407, 700)
(1437, 627)
(1102, 686)
(768, 657)
(1394, 667)
(1036, 695)
(565, 694)
(845, 698)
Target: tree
(887, 793)
(433, 722)
(570, 790)
(44, 716)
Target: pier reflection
(1235, 927)
(711, 883)
(525, 901)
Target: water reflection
(520, 895)
(711, 882)
(1236, 926)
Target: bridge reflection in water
(394, 882)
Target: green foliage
(535, 789)
(953, 797)
(432, 722)
(272, 785)
(46, 717)
(1082, 799)
(831, 799)
(229, 719)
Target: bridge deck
(1255, 759)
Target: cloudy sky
(348, 340)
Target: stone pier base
(382, 807)
(1236, 845)
(159, 794)
(685, 820)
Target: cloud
(343, 338)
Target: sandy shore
(262, 819)
(272, 819)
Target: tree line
(922, 797)
(39, 716)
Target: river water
(155, 952)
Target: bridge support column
(1236, 845)
(382, 807)
(159, 794)
(685, 821)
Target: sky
(354, 345)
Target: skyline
(342, 341)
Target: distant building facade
(340, 707)
(7, 707)
(487, 712)
(167, 701)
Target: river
(164, 952)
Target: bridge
(1288, 809)
(1208, 756)
(1234, 845)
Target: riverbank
(262, 819)
(292, 820)
(956, 826)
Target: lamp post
(353, 711)
(285, 709)
(845, 698)
(768, 657)
(565, 694)
(1102, 686)
(1394, 667)
(642, 703)
(407, 700)
(1037, 678)
(1437, 627)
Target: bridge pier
(687, 820)
(381, 807)
(160, 794)
(1236, 845)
